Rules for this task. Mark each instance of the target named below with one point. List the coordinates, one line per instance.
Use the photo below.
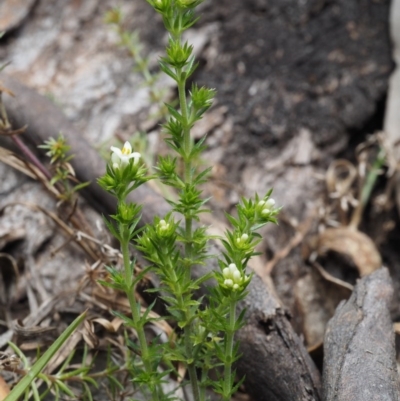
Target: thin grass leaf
(22, 386)
(35, 392)
(87, 392)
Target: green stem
(204, 374)
(187, 141)
(228, 352)
(187, 336)
(187, 145)
(191, 366)
(135, 308)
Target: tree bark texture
(359, 349)
(273, 353)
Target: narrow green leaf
(35, 392)
(174, 113)
(167, 70)
(64, 388)
(20, 388)
(88, 393)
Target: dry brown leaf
(11, 235)
(33, 332)
(33, 337)
(334, 280)
(316, 301)
(112, 326)
(89, 335)
(12, 160)
(352, 243)
(69, 346)
(340, 177)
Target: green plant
(27, 383)
(63, 173)
(205, 327)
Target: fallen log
(275, 362)
(359, 349)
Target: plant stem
(187, 144)
(187, 141)
(191, 366)
(228, 352)
(135, 308)
(31, 156)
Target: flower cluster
(242, 240)
(163, 225)
(267, 206)
(233, 277)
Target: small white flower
(235, 287)
(120, 157)
(261, 203)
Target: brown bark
(359, 349)
(275, 362)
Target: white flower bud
(163, 225)
(232, 268)
(241, 240)
(261, 203)
(237, 276)
(265, 212)
(228, 282)
(270, 203)
(244, 237)
(235, 287)
(226, 272)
